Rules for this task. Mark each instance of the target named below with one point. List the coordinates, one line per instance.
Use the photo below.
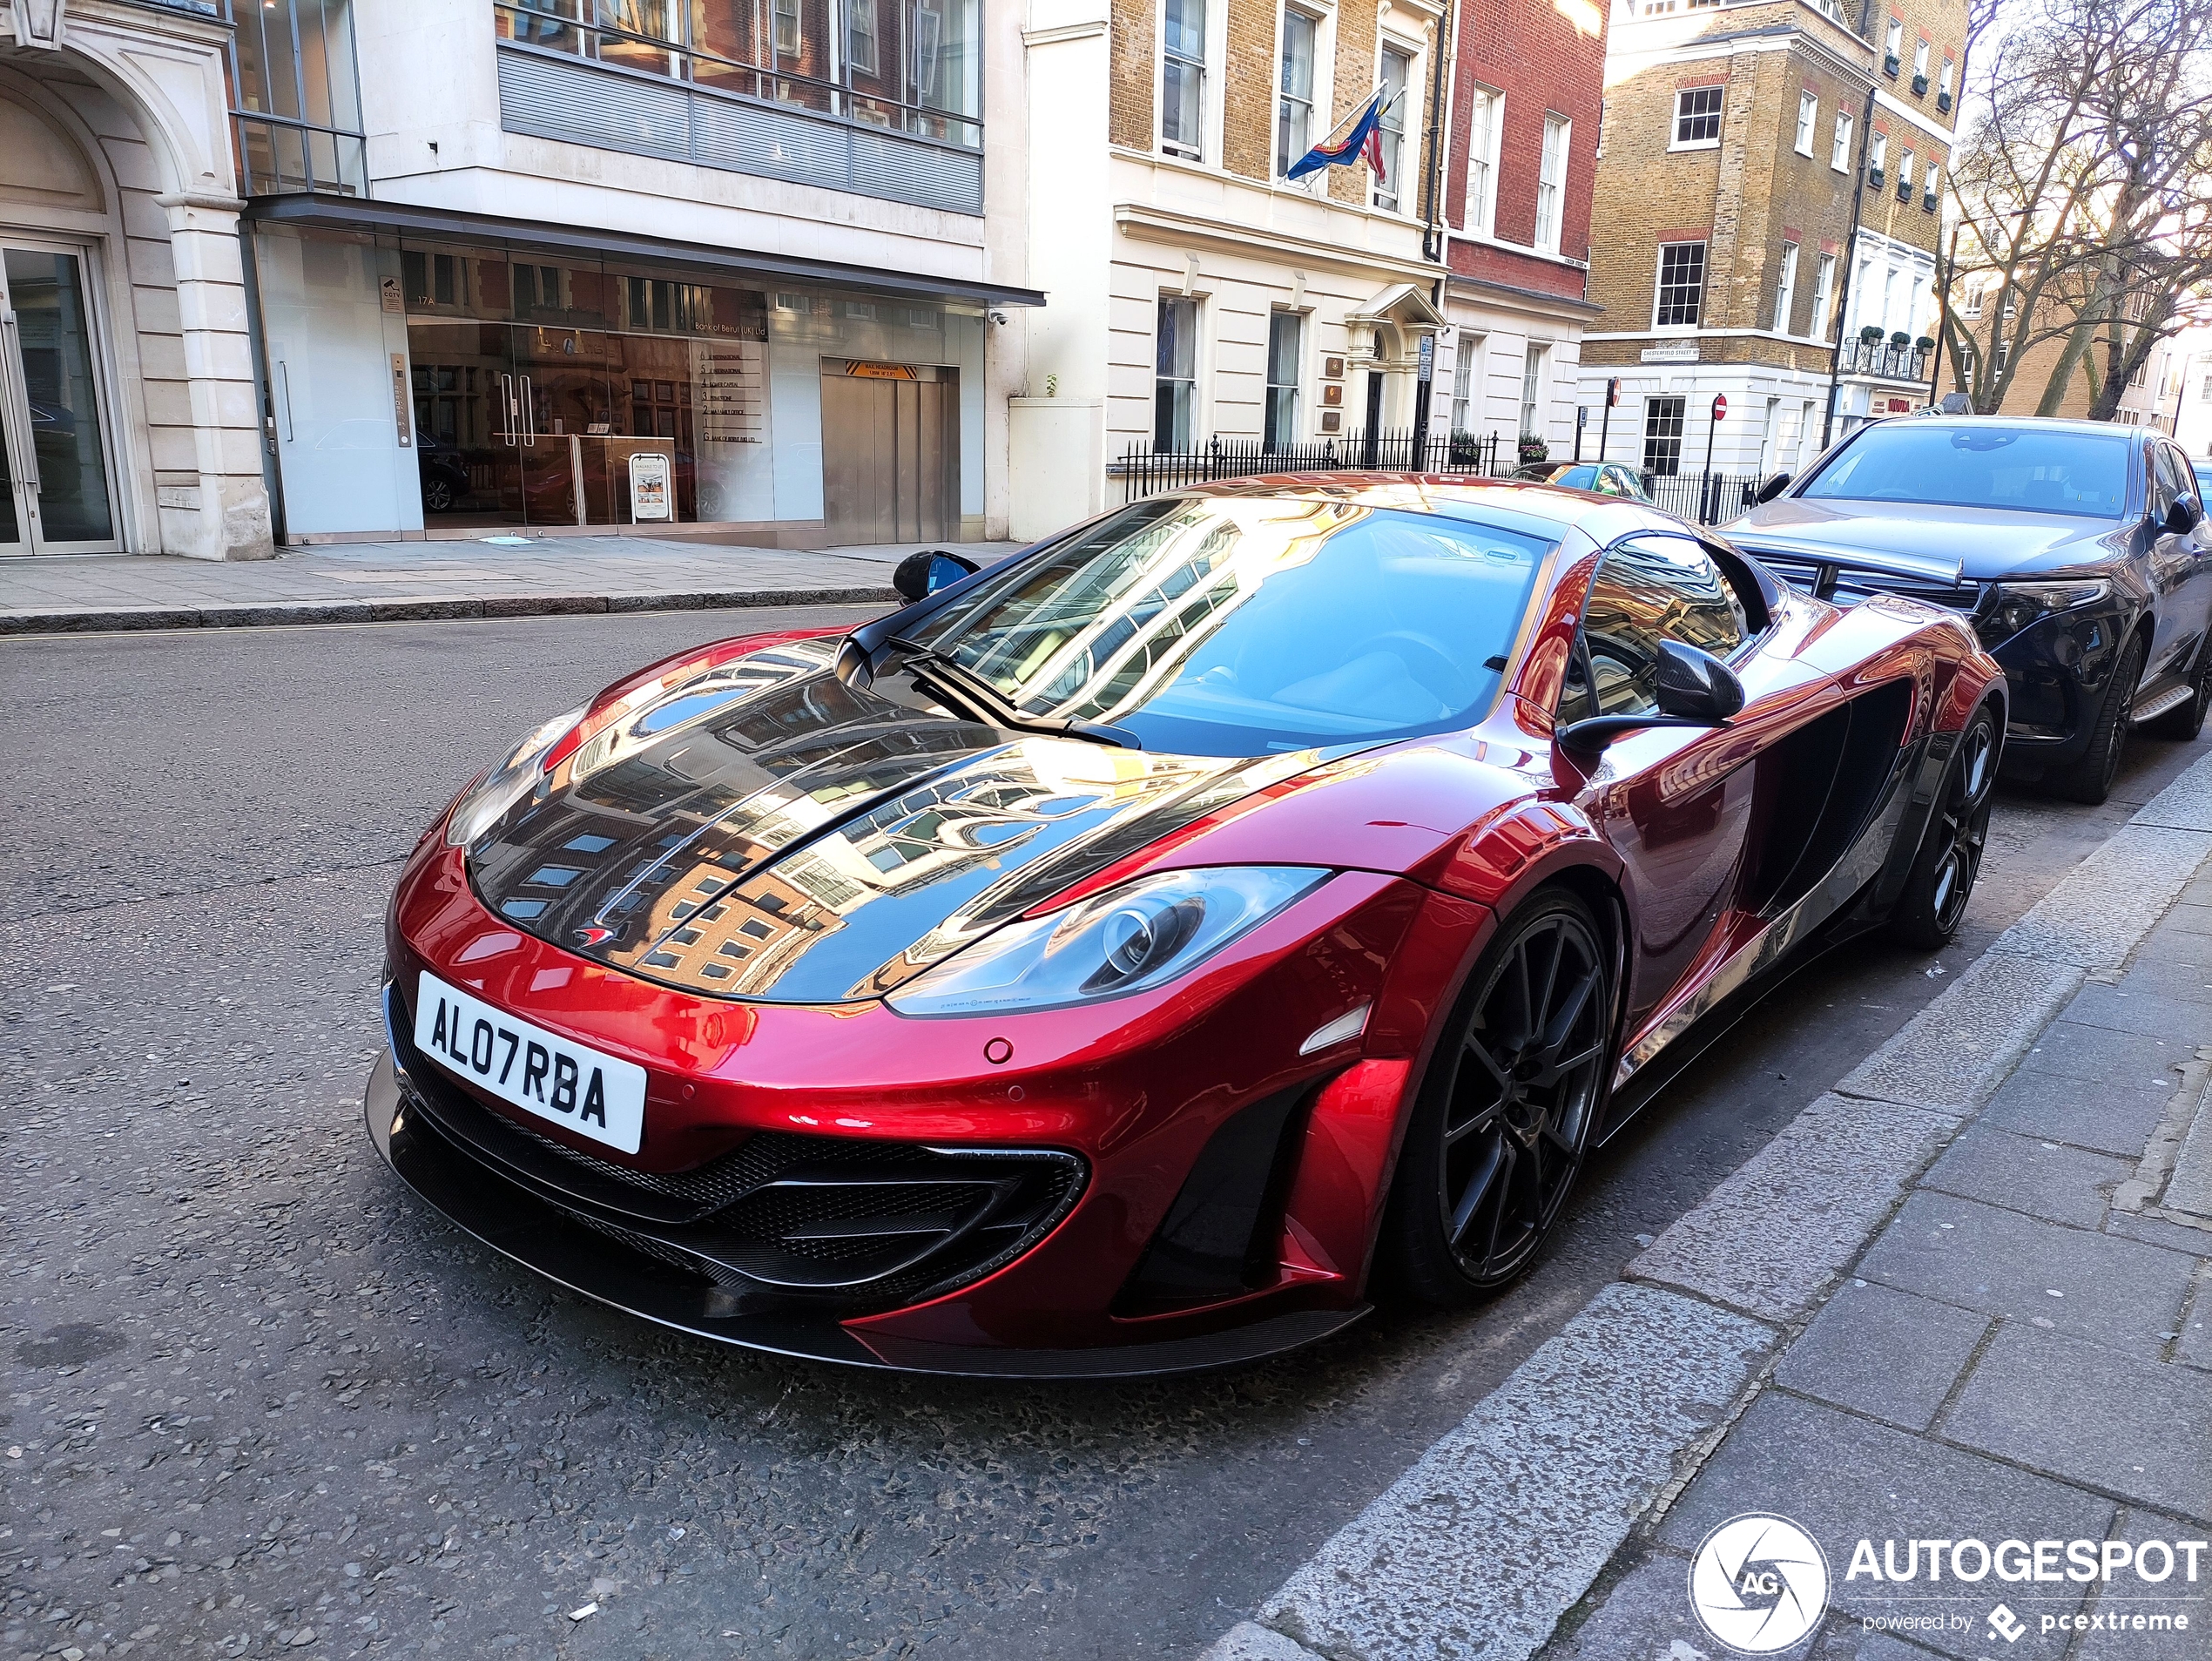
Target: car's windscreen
(1244, 624)
(2018, 469)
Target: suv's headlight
(1129, 939)
(2017, 605)
(484, 802)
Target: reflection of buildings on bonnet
(1106, 642)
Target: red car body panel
(1432, 841)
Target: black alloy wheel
(1505, 1111)
(2090, 779)
(1942, 881)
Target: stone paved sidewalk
(2024, 1352)
(400, 581)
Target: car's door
(2181, 566)
(1674, 802)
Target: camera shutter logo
(1758, 1584)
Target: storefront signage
(649, 494)
(881, 371)
(401, 405)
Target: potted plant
(1927, 343)
(1900, 340)
(1534, 450)
(1870, 334)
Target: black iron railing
(1146, 471)
(1703, 498)
(1880, 358)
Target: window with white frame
(1971, 297)
(1551, 181)
(1878, 156)
(1697, 118)
(1463, 365)
(1182, 77)
(1681, 295)
(1824, 297)
(1294, 101)
(860, 35)
(1808, 118)
(1532, 392)
(1785, 288)
(1175, 376)
(1905, 176)
(1920, 63)
(1285, 342)
(1943, 81)
(1892, 43)
(1486, 122)
(1662, 423)
(1928, 189)
(1839, 149)
(1397, 76)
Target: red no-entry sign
(1720, 406)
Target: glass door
(54, 467)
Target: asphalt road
(259, 1397)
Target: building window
(296, 99)
(1824, 297)
(1463, 382)
(1785, 289)
(1905, 176)
(1551, 181)
(1892, 43)
(860, 35)
(1294, 108)
(1877, 157)
(1839, 151)
(1285, 337)
(1697, 118)
(1397, 76)
(1175, 380)
(1681, 285)
(1969, 299)
(1808, 118)
(1486, 117)
(1943, 84)
(1532, 392)
(1183, 79)
(1662, 420)
(1920, 68)
(1928, 193)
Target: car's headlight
(1129, 939)
(484, 802)
(2017, 605)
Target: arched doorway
(57, 477)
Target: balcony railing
(1885, 361)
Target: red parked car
(1143, 953)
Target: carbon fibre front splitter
(540, 1238)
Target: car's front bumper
(511, 1221)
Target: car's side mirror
(1695, 689)
(920, 575)
(2184, 515)
(1773, 488)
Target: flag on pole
(1359, 137)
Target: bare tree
(2084, 188)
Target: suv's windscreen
(2018, 468)
(1238, 625)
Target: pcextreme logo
(1758, 1584)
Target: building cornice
(1089, 31)
(1148, 224)
(1780, 37)
(1460, 287)
(1897, 106)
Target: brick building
(1770, 179)
(1195, 291)
(1525, 101)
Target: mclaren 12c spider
(1141, 954)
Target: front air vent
(1846, 583)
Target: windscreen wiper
(965, 693)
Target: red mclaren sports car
(1142, 953)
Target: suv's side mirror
(920, 575)
(1773, 488)
(1695, 689)
(2184, 515)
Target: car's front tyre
(1933, 903)
(1506, 1109)
(2090, 779)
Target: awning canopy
(446, 224)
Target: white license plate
(553, 1077)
